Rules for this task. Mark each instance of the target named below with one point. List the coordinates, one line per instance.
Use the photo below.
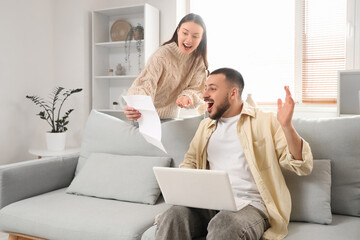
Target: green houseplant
(135, 33)
(51, 113)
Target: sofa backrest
(107, 134)
(337, 139)
(177, 135)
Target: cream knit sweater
(168, 74)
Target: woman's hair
(202, 48)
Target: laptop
(208, 189)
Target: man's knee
(174, 214)
(222, 225)
(226, 225)
(173, 224)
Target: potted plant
(51, 113)
(136, 33)
(115, 105)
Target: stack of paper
(149, 123)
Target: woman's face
(189, 37)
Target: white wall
(26, 67)
(70, 62)
(47, 43)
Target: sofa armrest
(30, 178)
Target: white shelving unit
(107, 54)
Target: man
(250, 145)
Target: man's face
(216, 96)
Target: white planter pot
(55, 141)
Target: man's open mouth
(210, 105)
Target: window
(300, 43)
(323, 48)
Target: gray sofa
(55, 198)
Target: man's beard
(225, 105)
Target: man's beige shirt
(265, 148)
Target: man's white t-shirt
(224, 152)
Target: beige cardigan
(168, 74)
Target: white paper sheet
(149, 123)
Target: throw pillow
(311, 194)
(126, 178)
(108, 134)
(337, 139)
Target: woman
(175, 74)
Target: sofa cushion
(342, 227)
(337, 139)
(107, 134)
(127, 178)
(310, 195)
(177, 136)
(57, 215)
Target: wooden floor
(17, 236)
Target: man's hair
(232, 76)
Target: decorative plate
(119, 30)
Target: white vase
(55, 141)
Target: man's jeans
(181, 223)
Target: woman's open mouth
(187, 46)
